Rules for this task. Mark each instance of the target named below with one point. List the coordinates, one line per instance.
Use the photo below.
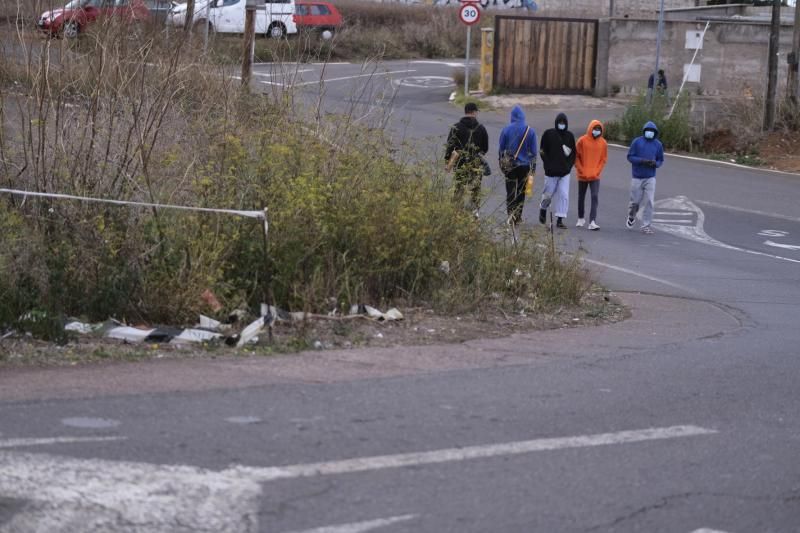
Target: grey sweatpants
(556, 191)
(643, 194)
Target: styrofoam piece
(250, 332)
(196, 335)
(126, 333)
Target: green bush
(349, 221)
(675, 131)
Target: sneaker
(542, 216)
(593, 226)
(647, 230)
(580, 223)
(629, 222)
(560, 224)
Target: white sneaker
(593, 226)
(581, 222)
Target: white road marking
(65, 494)
(86, 422)
(375, 74)
(750, 211)
(673, 220)
(638, 274)
(360, 527)
(706, 530)
(453, 64)
(784, 246)
(22, 443)
(381, 462)
(282, 73)
(772, 233)
(425, 82)
(697, 233)
(244, 420)
(714, 161)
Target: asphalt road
(682, 419)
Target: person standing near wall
(517, 159)
(646, 154)
(592, 154)
(558, 155)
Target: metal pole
(658, 53)
(686, 75)
(794, 63)
(205, 30)
(772, 66)
(466, 63)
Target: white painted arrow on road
(64, 494)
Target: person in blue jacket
(646, 154)
(519, 139)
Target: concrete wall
(573, 8)
(733, 59)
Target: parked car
(227, 16)
(317, 15)
(76, 15)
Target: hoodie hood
(650, 126)
(561, 117)
(517, 115)
(469, 122)
(592, 125)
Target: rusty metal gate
(544, 55)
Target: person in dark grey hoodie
(558, 155)
(469, 139)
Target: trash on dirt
(371, 312)
(251, 331)
(209, 323)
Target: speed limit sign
(470, 14)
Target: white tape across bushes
(261, 215)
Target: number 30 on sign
(470, 14)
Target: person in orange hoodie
(592, 154)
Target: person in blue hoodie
(518, 144)
(646, 154)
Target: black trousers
(594, 186)
(515, 192)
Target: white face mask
(597, 133)
(649, 134)
(562, 126)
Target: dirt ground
(419, 327)
(781, 151)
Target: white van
(275, 19)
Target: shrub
(147, 120)
(675, 130)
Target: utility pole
(794, 61)
(187, 24)
(249, 42)
(772, 66)
(658, 52)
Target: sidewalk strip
(364, 464)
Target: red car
(73, 18)
(320, 16)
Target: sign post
(249, 40)
(470, 13)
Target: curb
(714, 161)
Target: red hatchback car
(317, 16)
(73, 18)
